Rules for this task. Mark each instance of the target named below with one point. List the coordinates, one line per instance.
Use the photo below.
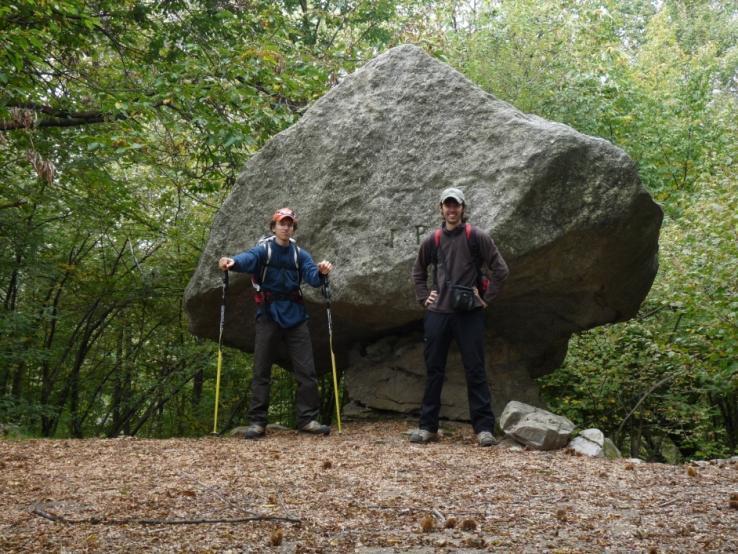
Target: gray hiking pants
(269, 337)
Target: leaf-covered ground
(366, 490)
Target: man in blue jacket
(278, 266)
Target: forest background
(124, 124)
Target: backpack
(261, 296)
(482, 279)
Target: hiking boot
(315, 428)
(422, 436)
(486, 438)
(253, 431)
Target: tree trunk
(4, 378)
(635, 440)
(75, 429)
(728, 406)
(16, 386)
(197, 386)
(9, 305)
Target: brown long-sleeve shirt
(457, 266)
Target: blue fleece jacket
(281, 279)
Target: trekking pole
(327, 293)
(220, 352)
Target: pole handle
(325, 288)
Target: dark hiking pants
(468, 330)
(269, 337)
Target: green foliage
(122, 127)
(673, 371)
(640, 77)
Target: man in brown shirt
(465, 262)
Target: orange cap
(282, 213)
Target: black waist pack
(462, 298)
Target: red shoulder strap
(437, 234)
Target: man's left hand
(325, 267)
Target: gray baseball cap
(452, 192)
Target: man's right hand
(432, 297)
(225, 263)
(476, 293)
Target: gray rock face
(534, 427)
(610, 451)
(364, 167)
(389, 375)
(590, 442)
(514, 412)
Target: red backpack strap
(437, 237)
(482, 279)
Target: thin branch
(668, 502)
(83, 118)
(645, 395)
(16, 204)
(656, 310)
(212, 489)
(674, 330)
(142, 521)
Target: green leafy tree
(122, 127)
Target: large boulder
(363, 168)
(535, 428)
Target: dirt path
(367, 490)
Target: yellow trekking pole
(327, 294)
(220, 352)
